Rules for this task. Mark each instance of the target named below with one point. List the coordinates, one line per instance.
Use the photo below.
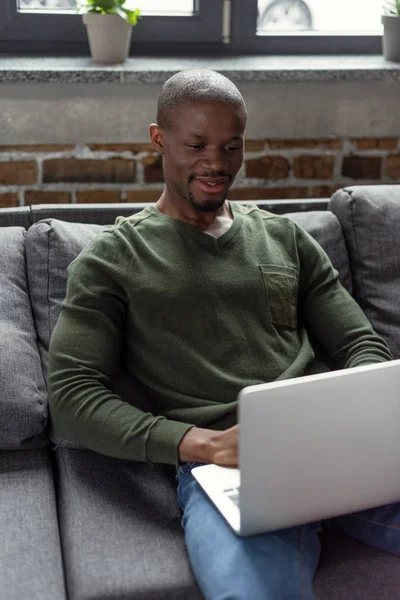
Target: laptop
(311, 448)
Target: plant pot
(391, 37)
(109, 37)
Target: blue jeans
(272, 566)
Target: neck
(186, 212)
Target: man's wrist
(196, 445)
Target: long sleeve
(330, 312)
(84, 353)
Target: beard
(211, 205)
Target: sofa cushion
(327, 231)
(22, 390)
(349, 569)
(370, 219)
(30, 552)
(120, 530)
(122, 538)
(51, 245)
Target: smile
(212, 180)
(212, 185)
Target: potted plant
(391, 30)
(109, 28)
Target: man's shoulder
(125, 228)
(264, 217)
(114, 240)
(134, 220)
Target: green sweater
(195, 319)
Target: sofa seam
(48, 283)
(56, 479)
(42, 403)
(31, 216)
(346, 247)
(357, 252)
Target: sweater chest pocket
(281, 286)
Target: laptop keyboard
(233, 494)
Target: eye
(232, 148)
(196, 146)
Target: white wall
(120, 113)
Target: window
(146, 6)
(309, 26)
(203, 27)
(54, 27)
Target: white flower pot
(391, 37)
(109, 37)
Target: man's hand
(206, 445)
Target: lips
(211, 185)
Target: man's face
(203, 151)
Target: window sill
(254, 69)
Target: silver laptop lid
(319, 446)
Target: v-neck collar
(205, 239)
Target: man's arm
(84, 354)
(330, 312)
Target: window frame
(246, 40)
(51, 33)
(196, 35)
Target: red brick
(362, 167)
(113, 170)
(313, 167)
(254, 145)
(278, 193)
(18, 173)
(153, 171)
(268, 167)
(324, 191)
(375, 143)
(38, 148)
(134, 148)
(392, 168)
(327, 143)
(42, 197)
(143, 195)
(98, 196)
(8, 200)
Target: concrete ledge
(241, 69)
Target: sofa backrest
(16, 217)
(327, 231)
(23, 401)
(103, 214)
(370, 219)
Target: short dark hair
(194, 86)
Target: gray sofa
(79, 525)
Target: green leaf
(391, 7)
(111, 7)
(132, 16)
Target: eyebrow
(238, 138)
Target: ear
(156, 136)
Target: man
(201, 297)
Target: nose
(215, 160)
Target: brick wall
(273, 169)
